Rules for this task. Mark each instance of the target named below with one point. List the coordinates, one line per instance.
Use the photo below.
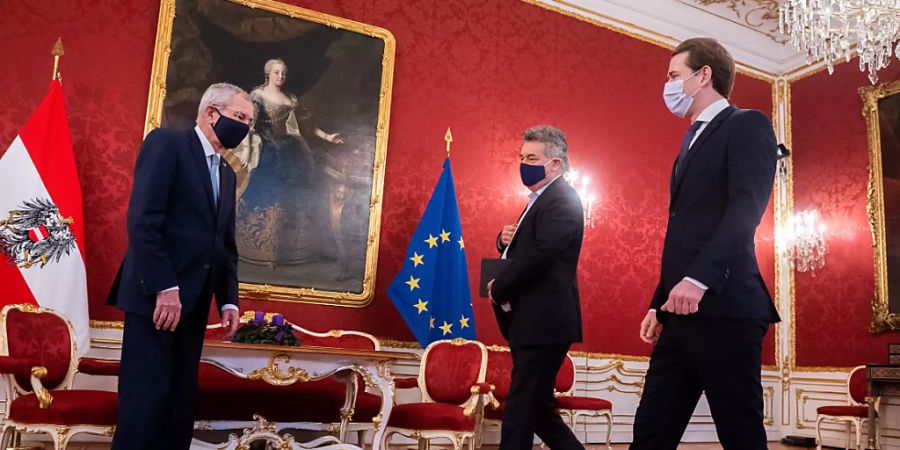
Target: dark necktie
(686, 143)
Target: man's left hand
(230, 322)
(684, 298)
(490, 294)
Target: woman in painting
(283, 216)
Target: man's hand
(490, 284)
(168, 310)
(507, 234)
(230, 322)
(684, 298)
(650, 328)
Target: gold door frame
(154, 118)
(882, 318)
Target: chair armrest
(43, 395)
(101, 367)
(483, 388)
(406, 383)
(15, 366)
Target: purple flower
(259, 317)
(278, 320)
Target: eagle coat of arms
(36, 234)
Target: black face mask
(229, 131)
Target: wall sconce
(580, 183)
(803, 240)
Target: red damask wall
(487, 69)
(834, 309)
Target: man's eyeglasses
(237, 114)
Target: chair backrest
(858, 385)
(43, 337)
(450, 368)
(349, 339)
(499, 370)
(565, 378)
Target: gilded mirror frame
(882, 318)
(154, 118)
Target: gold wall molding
(107, 324)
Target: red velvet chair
(572, 407)
(225, 401)
(451, 378)
(498, 374)
(855, 413)
(38, 361)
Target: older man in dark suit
(536, 294)
(181, 253)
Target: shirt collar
(713, 110)
(204, 142)
(540, 191)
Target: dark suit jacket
(718, 197)
(540, 281)
(177, 236)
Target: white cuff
(173, 288)
(653, 310)
(228, 306)
(696, 283)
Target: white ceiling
(748, 28)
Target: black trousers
(530, 407)
(158, 382)
(720, 357)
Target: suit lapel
(199, 157)
(698, 144)
(549, 192)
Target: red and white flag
(41, 222)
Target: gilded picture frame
(877, 100)
(244, 42)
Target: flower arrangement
(261, 330)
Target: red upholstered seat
(42, 339)
(499, 372)
(583, 403)
(419, 416)
(69, 408)
(844, 411)
(565, 378)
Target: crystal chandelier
(580, 183)
(803, 239)
(828, 29)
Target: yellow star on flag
(446, 328)
(416, 259)
(431, 323)
(432, 241)
(413, 283)
(464, 322)
(421, 306)
(445, 235)
(462, 244)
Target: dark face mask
(532, 174)
(229, 131)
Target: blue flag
(432, 290)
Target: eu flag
(432, 290)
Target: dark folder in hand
(490, 268)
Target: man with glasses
(181, 253)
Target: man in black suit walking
(535, 295)
(711, 308)
(181, 253)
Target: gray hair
(271, 63)
(220, 94)
(554, 141)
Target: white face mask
(676, 100)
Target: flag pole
(449, 138)
(57, 52)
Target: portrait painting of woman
(306, 223)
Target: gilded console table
(884, 381)
(282, 366)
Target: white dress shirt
(208, 151)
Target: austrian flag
(41, 221)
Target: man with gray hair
(535, 294)
(181, 253)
